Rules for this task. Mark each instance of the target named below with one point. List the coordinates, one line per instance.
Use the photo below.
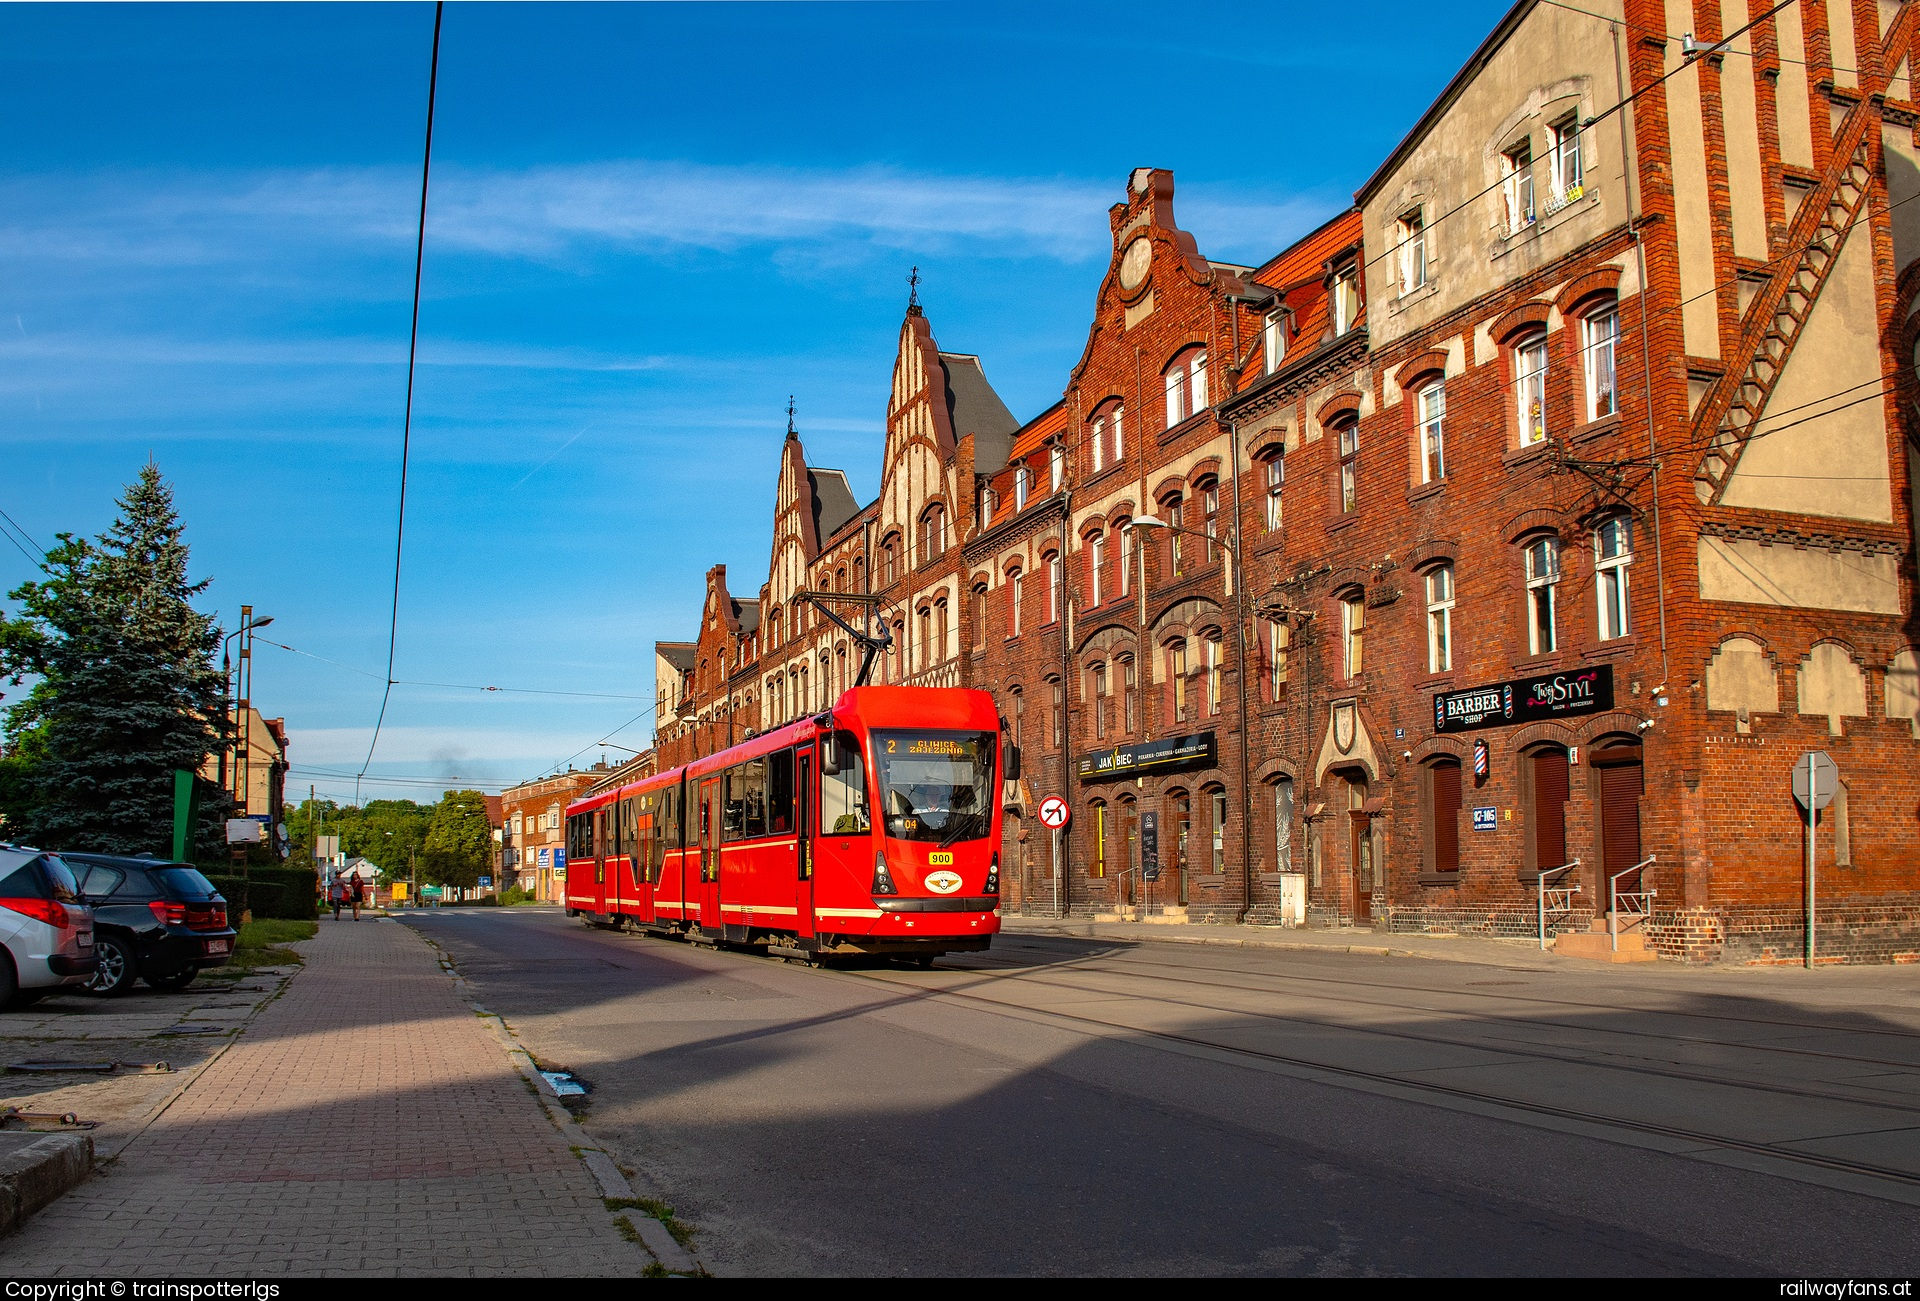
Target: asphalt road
(1069, 1107)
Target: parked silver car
(46, 933)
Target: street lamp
(1240, 648)
(238, 695)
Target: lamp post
(1240, 650)
(238, 699)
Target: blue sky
(649, 224)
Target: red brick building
(1532, 516)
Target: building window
(1129, 692)
(939, 630)
(1440, 619)
(1177, 679)
(1217, 807)
(1516, 185)
(1279, 643)
(1019, 711)
(1410, 235)
(980, 616)
(1186, 382)
(1599, 339)
(1096, 562)
(1530, 387)
(1022, 485)
(986, 505)
(1568, 179)
(1099, 692)
(1353, 628)
(1612, 554)
(1275, 337)
(887, 557)
(1283, 825)
(1346, 300)
(1056, 468)
(1176, 517)
(1431, 405)
(1013, 604)
(1055, 587)
(933, 534)
(1543, 576)
(1348, 432)
(1275, 469)
(1099, 811)
(1213, 652)
(1443, 813)
(1210, 506)
(1108, 445)
(1059, 712)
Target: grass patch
(655, 1209)
(259, 942)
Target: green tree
(459, 845)
(390, 834)
(127, 692)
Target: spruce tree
(128, 688)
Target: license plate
(940, 860)
(218, 946)
(86, 939)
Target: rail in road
(989, 991)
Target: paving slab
(365, 1122)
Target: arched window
(1209, 491)
(1058, 690)
(1017, 706)
(1283, 824)
(939, 630)
(1173, 510)
(1279, 645)
(1180, 694)
(1443, 815)
(1612, 555)
(1346, 430)
(1353, 628)
(1186, 384)
(1216, 807)
(1543, 580)
(840, 579)
(889, 559)
(1056, 585)
(933, 533)
(859, 574)
(1430, 410)
(1096, 565)
(1107, 443)
(1440, 619)
(1097, 689)
(1129, 693)
(1530, 386)
(1213, 650)
(1274, 470)
(979, 616)
(1599, 344)
(926, 635)
(1127, 543)
(1013, 602)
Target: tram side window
(672, 807)
(780, 793)
(756, 794)
(843, 794)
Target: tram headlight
(993, 874)
(882, 876)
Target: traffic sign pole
(1816, 779)
(1813, 825)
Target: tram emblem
(943, 882)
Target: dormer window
(1275, 337)
(1186, 383)
(1056, 468)
(1346, 299)
(1410, 235)
(1022, 485)
(986, 505)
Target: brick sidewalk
(366, 1123)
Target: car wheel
(173, 984)
(117, 968)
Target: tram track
(1675, 1133)
(1483, 1019)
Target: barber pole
(1482, 765)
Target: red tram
(776, 841)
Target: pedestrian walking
(337, 894)
(359, 894)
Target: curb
(1145, 934)
(37, 1168)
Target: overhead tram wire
(1715, 48)
(39, 553)
(406, 426)
(1593, 121)
(455, 686)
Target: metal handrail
(1567, 891)
(1614, 896)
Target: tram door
(840, 884)
(703, 896)
(804, 798)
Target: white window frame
(1353, 633)
(1099, 443)
(1430, 407)
(1279, 643)
(1599, 351)
(1410, 235)
(1197, 383)
(1215, 679)
(1346, 300)
(1568, 166)
(1055, 578)
(1275, 339)
(1276, 471)
(1022, 484)
(1126, 557)
(1056, 468)
(1612, 561)
(1175, 379)
(1543, 580)
(1013, 581)
(1530, 387)
(1348, 439)
(1096, 561)
(1516, 186)
(1440, 599)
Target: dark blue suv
(153, 920)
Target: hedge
(286, 892)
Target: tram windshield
(936, 786)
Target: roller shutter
(1549, 808)
(1620, 788)
(1446, 817)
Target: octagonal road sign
(1053, 812)
(1815, 771)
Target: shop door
(1621, 785)
(1360, 848)
(1182, 827)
